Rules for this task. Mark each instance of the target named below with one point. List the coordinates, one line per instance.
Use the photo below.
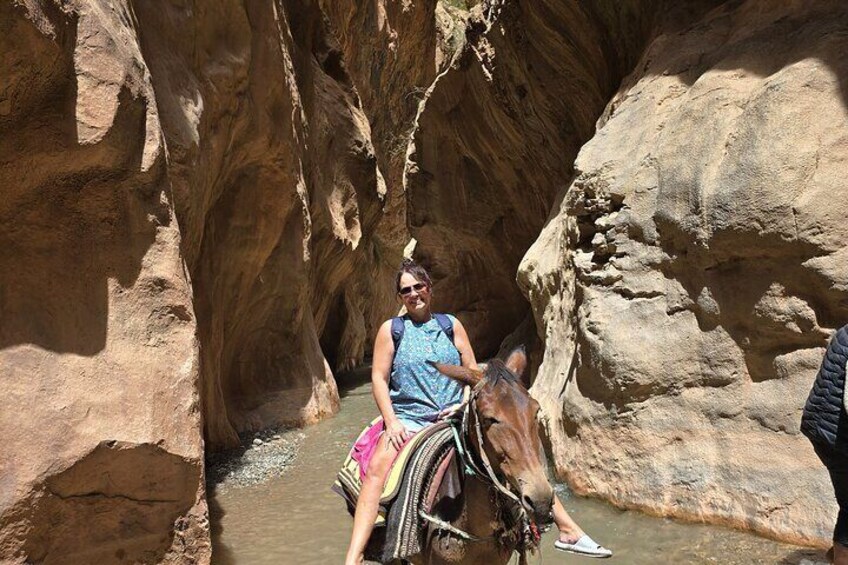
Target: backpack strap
(446, 324)
(397, 331)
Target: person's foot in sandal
(584, 545)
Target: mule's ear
(517, 361)
(466, 376)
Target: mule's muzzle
(539, 509)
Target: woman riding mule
(410, 394)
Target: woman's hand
(396, 434)
(450, 411)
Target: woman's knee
(381, 461)
(372, 481)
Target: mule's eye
(489, 421)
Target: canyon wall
(496, 135)
(694, 269)
(196, 232)
(692, 265)
(100, 417)
(279, 200)
(204, 205)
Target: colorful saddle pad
(348, 482)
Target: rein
(490, 475)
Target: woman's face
(414, 294)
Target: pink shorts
(365, 447)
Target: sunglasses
(417, 287)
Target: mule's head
(510, 429)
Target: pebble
(255, 461)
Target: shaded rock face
(495, 138)
(389, 49)
(696, 266)
(194, 225)
(278, 196)
(137, 491)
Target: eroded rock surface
(192, 223)
(100, 418)
(389, 49)
(693, 272)
(204, 204)
(278, 195)
(495, 139)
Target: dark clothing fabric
(837, 465)
(824, 421)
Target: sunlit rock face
(100, 415)
(694, 269)
(495, 139)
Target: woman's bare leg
(569, 531)
(369, 500)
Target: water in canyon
(296, 519)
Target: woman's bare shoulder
(385, 329)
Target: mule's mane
(496, 372)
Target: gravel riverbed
(260, 457)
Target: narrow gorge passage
(297, 519)
(205, 204)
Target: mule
(506, 496)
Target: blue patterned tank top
(417, 390)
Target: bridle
(482, 469)
(475, 463)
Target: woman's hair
(414, 269)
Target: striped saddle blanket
(409, 488)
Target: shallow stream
(297, 519)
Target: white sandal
(584, 546)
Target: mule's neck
(480, 513)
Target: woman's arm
(463, 344)
(460, 340)
(381, 372)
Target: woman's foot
(570, 533)
(572, 538)
(354, 560)
(582, 545)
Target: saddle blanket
(348, 481)
(410, 487)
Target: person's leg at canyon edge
(571, 537)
